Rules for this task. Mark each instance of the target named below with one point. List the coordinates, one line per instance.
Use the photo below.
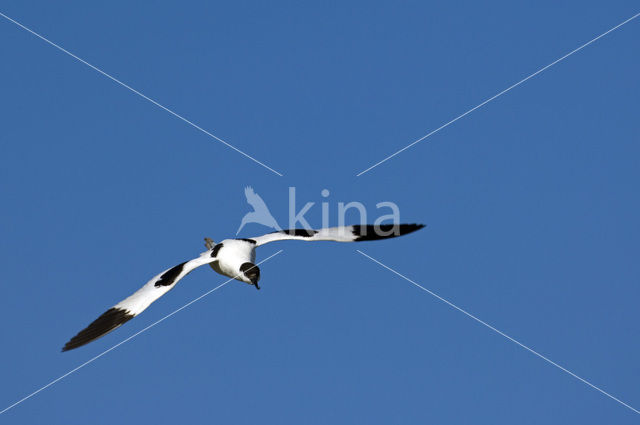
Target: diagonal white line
(125, 340)
(499, 94)
(499, 332)
(175, 114)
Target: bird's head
(250, 273)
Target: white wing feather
(135, 304)
(356, 233)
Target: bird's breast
(232, 255)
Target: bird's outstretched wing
(356, 233)
(130, 307)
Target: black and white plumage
(234, 258)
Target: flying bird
(234, 258)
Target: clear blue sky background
(532, 204)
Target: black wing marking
(110, 320)
(373, 232)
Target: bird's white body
(232, 254)
(234, 258)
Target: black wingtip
(373, 232)
(108, 321)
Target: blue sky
(531, 204)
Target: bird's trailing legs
(209, 243)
